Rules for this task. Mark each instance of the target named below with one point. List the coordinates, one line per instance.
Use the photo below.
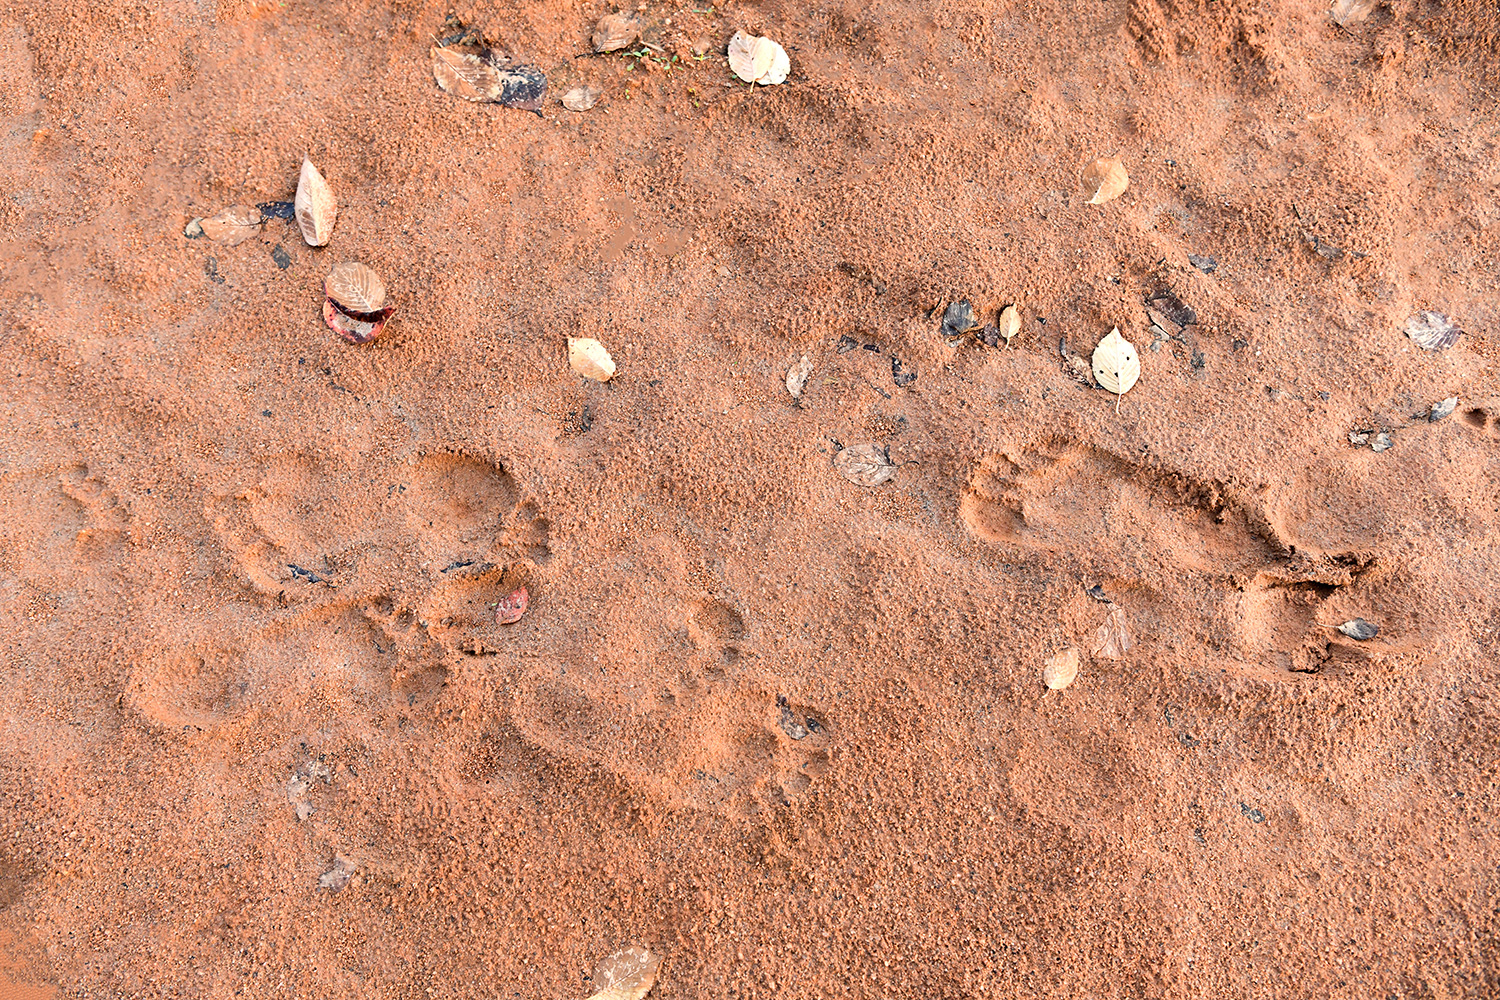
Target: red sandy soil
(1248, 804)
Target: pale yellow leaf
(797, 376)
(1010, 323)
(355, 287)
(1347, 12)
(1117, 366)
(758, 60)
(615, 31)
(590, 359)
(581, 98)
(1106, 178)
(315, 205)
(1061, 668)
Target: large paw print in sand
(1166, 547)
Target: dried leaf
(355, 288)
(316, 206)
(194, 229)
(958, 319)
(233, 225)
(1360, 629)
(523, 87)
(628, 974)
(510, 608)
(864, 464)
(1432, 331)
(1380, 442)
(1441, 409)
(581, 98)
(590, 359)
(356, 328)
(1079, 369)
(1061, 668)
(797, 376)
(758, 60)
(1010, 323)
(338, 876)
(1112, 641)
(464, 74)
(615, 31)
(1168, 306)
(1347, 12)
(1106, 178)
(1116, 364)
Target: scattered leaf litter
(1358, 628)
(581, 98)
(315, 206)
(1432, 331)
(1061, 668)
(1106, 178)
(354, 303)
(865, 464)
(628, 974)
(797, 376)
(758, 60)
(510, 608)
(1116, 365)
(1112, 640)
(616, 31)
(233, 225)
(1441, 409)
(590, 359)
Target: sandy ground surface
(785, 730)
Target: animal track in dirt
(82, 523)
(1164, 538)
(1484, 418)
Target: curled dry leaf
(1106, 178)
(1061, 668)
(1432, 331)
(1112, 641)
(465, 75)
(797, 376)
(354, 303)
(233, 225)
(1358, 628)
(1117, 366)
(315, 205)
(758, 60)
(355, 288)
(1010, 323)
(865, 464)
(510, 608)
(628, 974)
(581, 98)
(615, 31)
(590, 359)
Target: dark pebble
(1205, 264)
(901, 378)
(277, 210)
(281, 257)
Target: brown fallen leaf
(315, 205)
(1358, 628)
(1112, 640)
(797, 376)
(354, 303)
(464, 74)
(628, 974)
(1106, 178)
(233, 225)
(1347, 12)
(865, 464)
(581, 98)
(1010, 323)
(615, 31)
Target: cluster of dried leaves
(1112, 640)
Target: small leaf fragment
(1106, 178)
(194, 229)
(1432, 331)
(1358, 628)
(1208, 265)
(316, 206)
(464, 74)
(355, 288)
(1112, 640)
(1061, 668)
(590, 359)
(233, 225)
(758, 60)
(523, 87)
(615, 31)
(1116, 366)
(797, 376)
(581, 98)
(628, 974)
(1010, 323)
(1347, 12)
(865, 464)
(510, 608)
